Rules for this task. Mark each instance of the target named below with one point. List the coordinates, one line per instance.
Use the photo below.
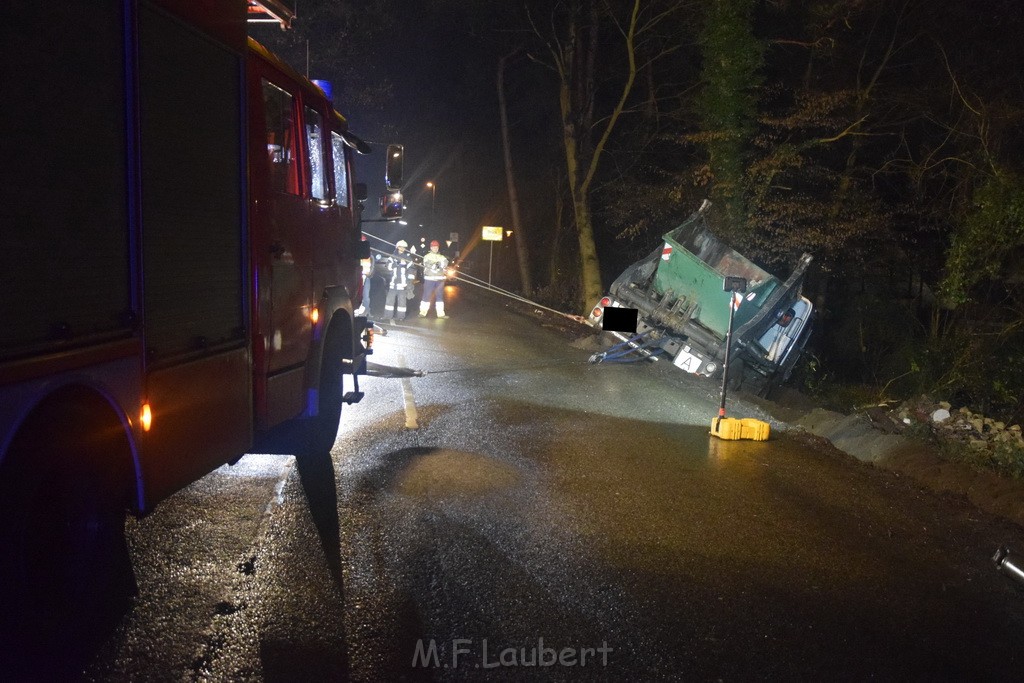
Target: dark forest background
(885, 137)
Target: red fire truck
(180, 254)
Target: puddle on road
(446, 473)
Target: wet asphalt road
(550, 519)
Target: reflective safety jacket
(433, 266)
(398, 270)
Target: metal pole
(734, 285)
(489, 263)
(728, 352)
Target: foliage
(977, 368)
(991, 235)
(1004, 458)
(562, 294)
(795, 186)
(883, 347)
(727, 103)
(645, 200)
(815, 377)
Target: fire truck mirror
(393, 173)
(391, 205)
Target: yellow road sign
(492, 233)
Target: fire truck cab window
(340, 168)
(282, 156)
(315, 145)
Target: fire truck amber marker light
(146, 417)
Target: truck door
(285, 285)
(344, 235)
(323, 207)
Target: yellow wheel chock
(735, 428)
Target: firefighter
(398, 265)
(434, 264)
(366, 265)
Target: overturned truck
(683, 309)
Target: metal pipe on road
(1007, 564)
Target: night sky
(445, 110)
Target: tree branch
(626, 88)
(848, 131)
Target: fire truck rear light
(146, 417)
(604, 302)
(596, 313)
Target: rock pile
(963, 425)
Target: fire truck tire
(322, 430)
(65, 566)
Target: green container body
(687, 276)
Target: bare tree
(573, 42)
(522, 249)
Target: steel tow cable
(469, 279)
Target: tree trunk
(590, 269)
(583, 156)
(522, 249)
(556, 240)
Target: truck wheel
(758, 384)
(322, 430)
(737, 370)
(65, 567)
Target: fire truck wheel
(322, 430)
(65, 567)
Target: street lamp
(433, 194)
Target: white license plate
(687, 361)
